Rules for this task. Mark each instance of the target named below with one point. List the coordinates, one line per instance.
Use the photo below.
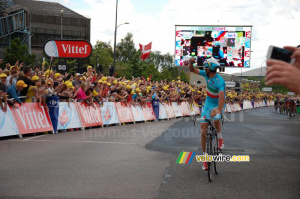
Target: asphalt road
(139, 161)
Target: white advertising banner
(176, 109)
(162, 112)
(228, 108)
(68, 116)
(137, 113)
(8, 126)
(109, 113)
(197, 109)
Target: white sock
(219, 135)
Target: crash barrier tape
(33, 118)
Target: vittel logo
(68, 49)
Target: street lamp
(61, 24)
(116, 27)
(261, 68)
(97, 65)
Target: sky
(275, 22)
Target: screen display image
(230, 45)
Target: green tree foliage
(103, 51)
(161, 61)
(125, 49)
(18, 51)
(128, 63)
(183, 76)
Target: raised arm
(191, 67)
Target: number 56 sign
(62, 67)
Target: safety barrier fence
(32, 118)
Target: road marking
(296, 122)
(96, 142)
(33, 137)
(227, 119)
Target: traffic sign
(230, 84)
(62, 67)
(267, 89)
(290, 93)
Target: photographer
(280, 72)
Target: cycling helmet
(216, 44)
(211, 64)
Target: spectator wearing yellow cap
(35, 78)
(3, 77)
(13, 68)
(90, 71)
(50, 87)
(70, 90)
(14, 91)
(70, 85)
(48, 73)
(35, 93)
(57, 75)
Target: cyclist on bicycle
(215, 101)
(291, 106)
(276, 102)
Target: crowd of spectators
(20, 84)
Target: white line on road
(33, 137)
(296, 122)
(96, 142)
(227, 119)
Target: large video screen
(230, 45)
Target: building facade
(49, 20)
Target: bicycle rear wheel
(209, 151)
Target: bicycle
(291, 112)
(212, 144)
(281, 108)
(276, 106)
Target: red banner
(170, 110)
(148, 111)
(90, 116)
(31, 118)
(124, 112)
(184, 109)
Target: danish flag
(146, 50)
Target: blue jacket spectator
(14, 91)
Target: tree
(18, 51)
(125, 49)
(169, 73)
(103, 51)
(183, 76)
(158, 65)
(124, 69)
(161, 61)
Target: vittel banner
(31, 118)
(79, 49)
